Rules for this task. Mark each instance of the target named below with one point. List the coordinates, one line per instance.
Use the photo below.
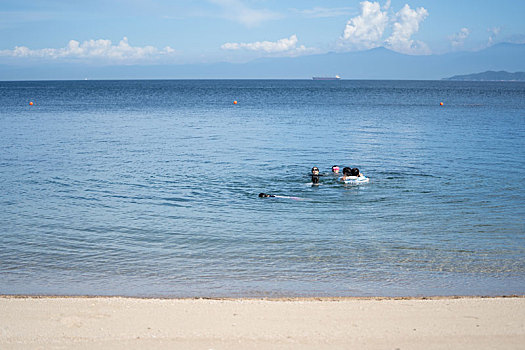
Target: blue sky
(162, 31)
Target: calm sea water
(149, 188)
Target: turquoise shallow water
(149, 188)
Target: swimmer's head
(347, 171)
(263, 195)
(335, 169)
(355, 172)
(315, 170)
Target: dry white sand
(133, 323)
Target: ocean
(150, 188)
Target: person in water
(356, 172)
(335, 169)
(315, 175)
(347, 172)
(267, 195)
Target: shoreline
(112, 322)
(284, 298)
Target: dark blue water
(149, 188)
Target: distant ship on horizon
(337, 77)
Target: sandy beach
(340, 323)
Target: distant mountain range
(490, 76)
(378, 63)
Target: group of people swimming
(347, 173)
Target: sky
(106, 32)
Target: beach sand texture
(344, 323)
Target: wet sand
(326, 323)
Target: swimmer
(315, 175)
(347, 172)
(356, 172)
(266, 195)
(335, 169)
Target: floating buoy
(30, 103)
(441, 103)
(234, 102)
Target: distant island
(490, 76)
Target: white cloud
(285, 45)
(366, 30)
(93, 49)
(458, 39)
(514, 39)
(407, 24)
(236, 10)
(324, 12)
(493, 34)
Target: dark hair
(347, 171)
(261, 195)
(315, 168)
(355, 172)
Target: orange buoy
(441, 103)
(234, 102)
(30, 103)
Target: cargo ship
(337, 77)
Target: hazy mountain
(379, 63)
(490, 76)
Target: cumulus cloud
(285, 45)
(94, 49)
(458, 39)
(407, 24)
(366, 30)
(236, 10)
